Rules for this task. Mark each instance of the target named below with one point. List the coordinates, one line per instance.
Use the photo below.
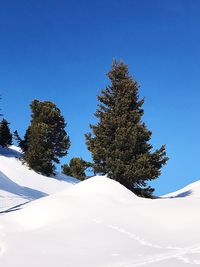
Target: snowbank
(99, 223)
(19, 184)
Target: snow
(19, 184)
(192, 190)
(96, 223)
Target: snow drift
(19, 184)
(99, 223)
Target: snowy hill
(191, 190)
(19, 184)
(99, 223)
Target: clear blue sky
(60, 50)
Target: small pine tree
(76, 168)
(0, 108)
(120, 141)
(5, 134)
(46, 138)
(66, 170)
(23, 143)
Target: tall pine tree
(119, 143)
(5, 134)
(47, 139)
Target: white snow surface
(19, 184)
(97, 223)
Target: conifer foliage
(0, 108)
(76, 168)
(46, 139)
(119, 143)
(23, 143)
(5, 134)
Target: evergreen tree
(120, 141)
(5, 134)
(46, 138)
(0, 108)
(66, 170)
(76, 168)
(23, 143)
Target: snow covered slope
(191, 190)
(99, 223)
(19, 184)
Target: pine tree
(5, 134)
(119, 143)
(66, 170)
(46, 138)
(0, 108)
(23, 143)
(76, 168)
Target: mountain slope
(191, 190)
(19, 184)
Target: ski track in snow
(184, 254)
(135, 237)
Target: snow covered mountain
(19, 184)
(95, 223)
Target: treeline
(119, 142)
